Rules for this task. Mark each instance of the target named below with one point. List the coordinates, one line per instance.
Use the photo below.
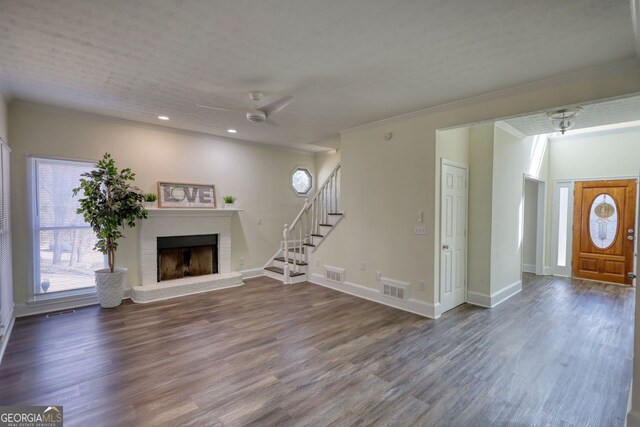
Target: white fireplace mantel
(166, 222)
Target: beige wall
(4, 130)
(513, 157)
(385, 183)
(530, 223)
(604, 154)
(257, 175)
(325, 163)
(480, 196)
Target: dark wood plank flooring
(559, 353)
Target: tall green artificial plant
(109, 204)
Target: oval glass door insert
(603, 221)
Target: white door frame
(446, 162)
(540, 221)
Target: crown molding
(611, 67)
(510, 129)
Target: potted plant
(229, 202)
(110, 203)
(150, 200)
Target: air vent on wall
(334, 274)
(394, 289)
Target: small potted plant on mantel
(110, 203)
(150, 200)
(229, 202)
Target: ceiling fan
(258, 114)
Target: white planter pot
(229, 205)
(111, 286)
(150, 205)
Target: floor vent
(394, 289)
(60, 313)
(334, 274)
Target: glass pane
(56, 205)
(603, 221)
(301, 181)
(563, 218)
(67, 260)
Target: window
(563, 226)
(64, 258)
(301, 181)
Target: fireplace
(186, 256)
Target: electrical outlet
(259, 221)
(423, 285)
(241, 261)
(420, 229)
(378, 276)
(363, 266)
(420, 216)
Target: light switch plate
(363, 266)
(420, 229)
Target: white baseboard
(4, 340)
(529, 268)
(251, 273)
(48, 306)
(490, 301)
(411, 305)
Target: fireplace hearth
(187, 256)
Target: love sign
(179, 195)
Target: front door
(453, 235)
(604, 218)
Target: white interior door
(453, 235)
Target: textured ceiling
(348, 62)
(603, 113)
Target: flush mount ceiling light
(564, 119)
(232, 131)
(163, 117)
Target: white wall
(384, 183)
(530, 224)
(257, 175)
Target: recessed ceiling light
(163, 117)
(232, 131)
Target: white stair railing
(314, 212)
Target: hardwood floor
(559, 353)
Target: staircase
(316, 219)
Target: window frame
(35, 229)
(311, 181)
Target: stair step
(281, 259)
(317, 235)
(301, 250)
(309, 244)
(325, 225)
(335, 213)
(281, 271)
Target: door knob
(629, 237)
(444, 247)
(630, 230)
